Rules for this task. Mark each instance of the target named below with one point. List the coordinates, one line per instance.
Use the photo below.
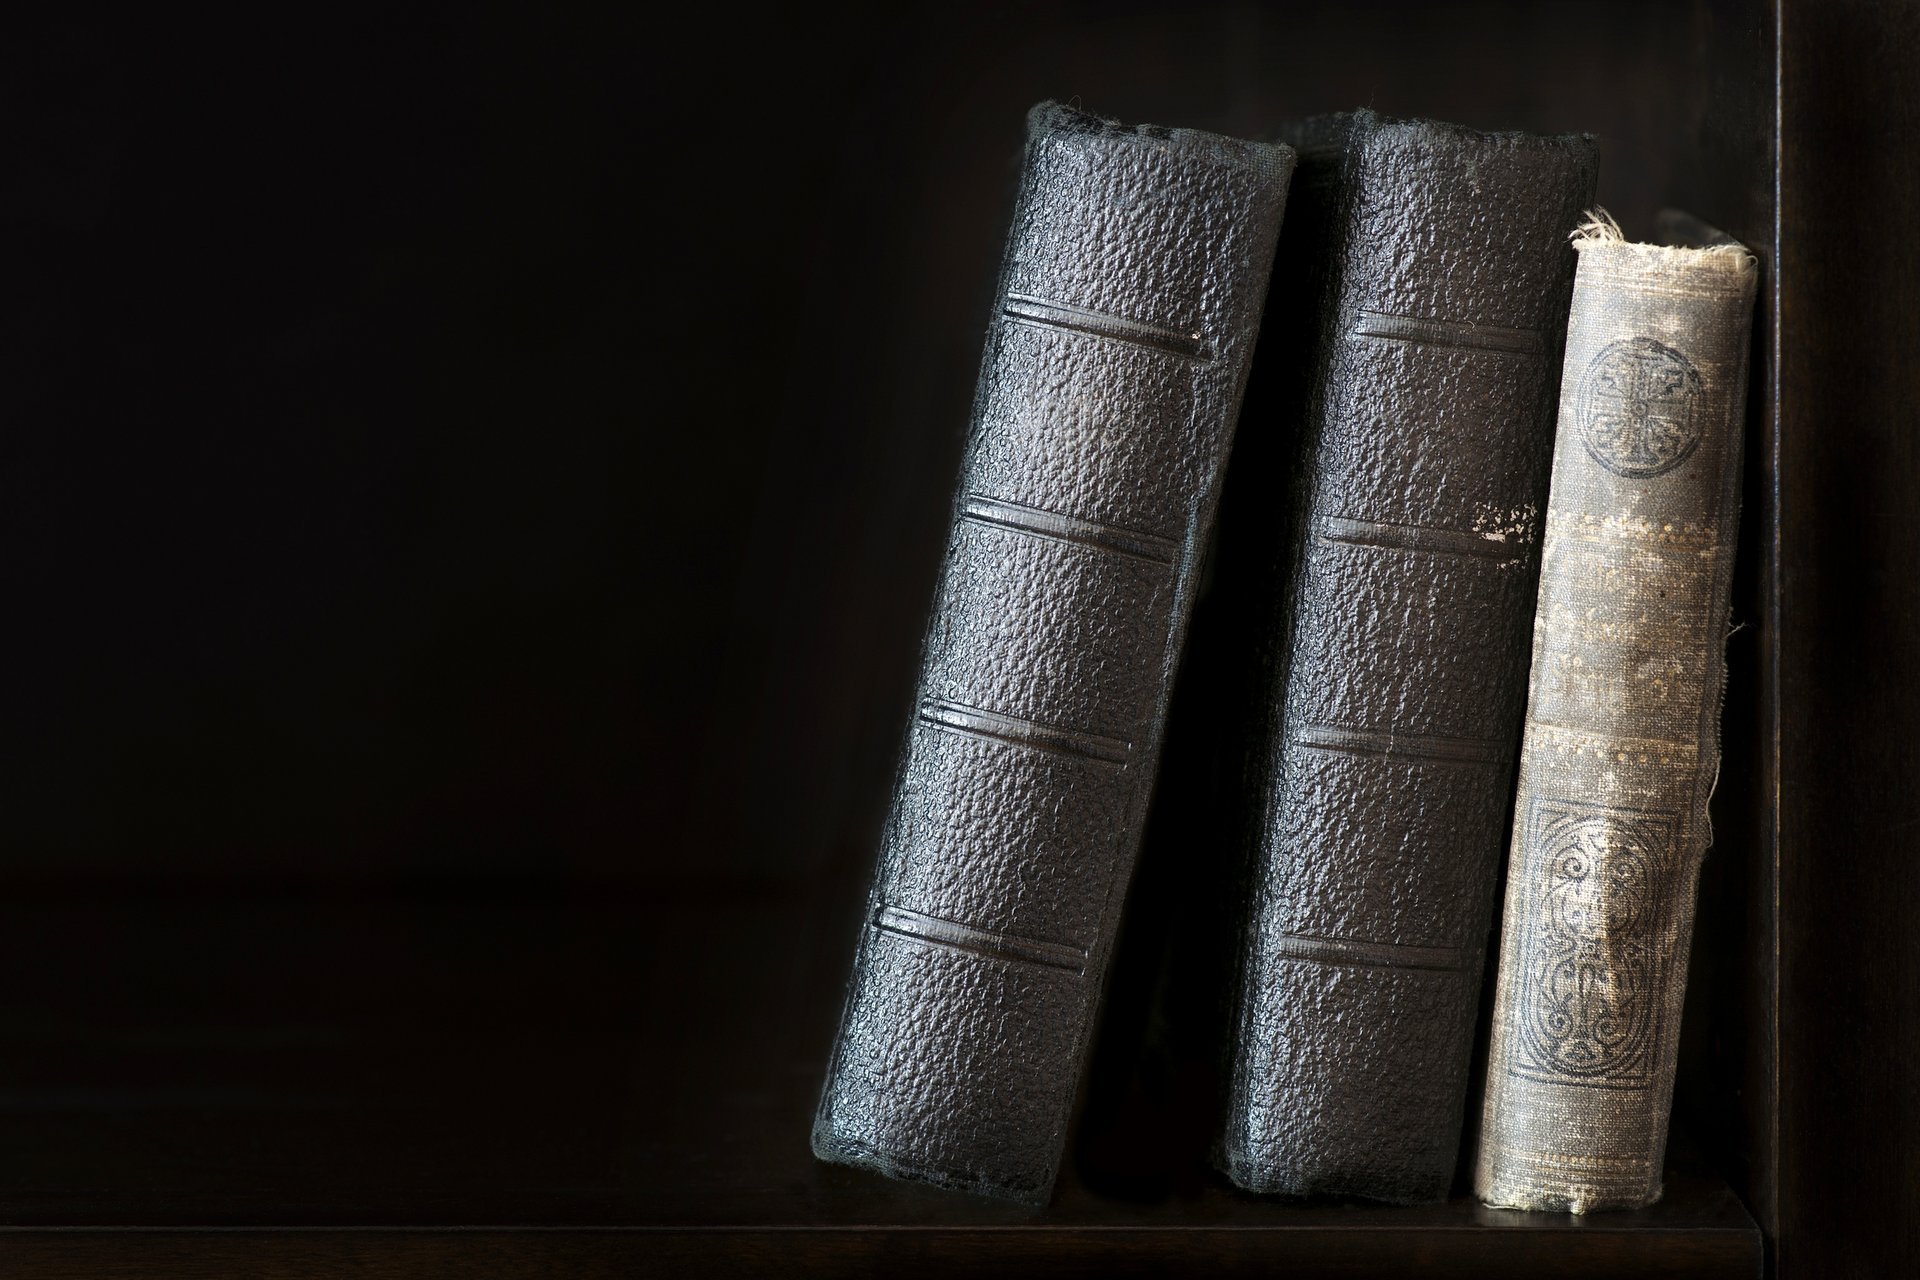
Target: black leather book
(1131, 292)
(1389, 734)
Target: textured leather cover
(1622, 741)
(1129, 302)
(1383, 785)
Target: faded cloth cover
(1622, 742)
(1385, 780)
(1131, 294)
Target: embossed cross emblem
(1637, 404)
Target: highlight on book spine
(1383, 788)
(1132, 289)
(1622, 741)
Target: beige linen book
(1622, 742)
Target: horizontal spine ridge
(975, 722)
(1064, 528)
(987, 942)
(1418, 746)
(1047, 314)
(1375, 955)
(1448, 333)
(1405, 537)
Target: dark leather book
(1394, 712)
(1131, 293)
(1622, 744)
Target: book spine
(1621, 749)
(1384, 793)
(1129, 302)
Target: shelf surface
(509, 1077)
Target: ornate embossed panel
(1592, 906)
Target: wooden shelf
(574, 1080)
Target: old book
(1622, 742)
(1129, 301)
(1383, 781)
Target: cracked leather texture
(1130, 296)
(1382, 788)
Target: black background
(491, 445)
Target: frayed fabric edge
(1598, 230)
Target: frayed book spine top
(1622, 739)
(1119, 343)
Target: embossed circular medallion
(1639, 405)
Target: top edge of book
(1341, 129)
(1273, 160)
(1686, 244)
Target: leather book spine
(1383, 794)
(1622, 742)
(1130, 297)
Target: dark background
(472, 489)
(487, 446)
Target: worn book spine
(1622, 742)
(1129, 301)
(1384, 782)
